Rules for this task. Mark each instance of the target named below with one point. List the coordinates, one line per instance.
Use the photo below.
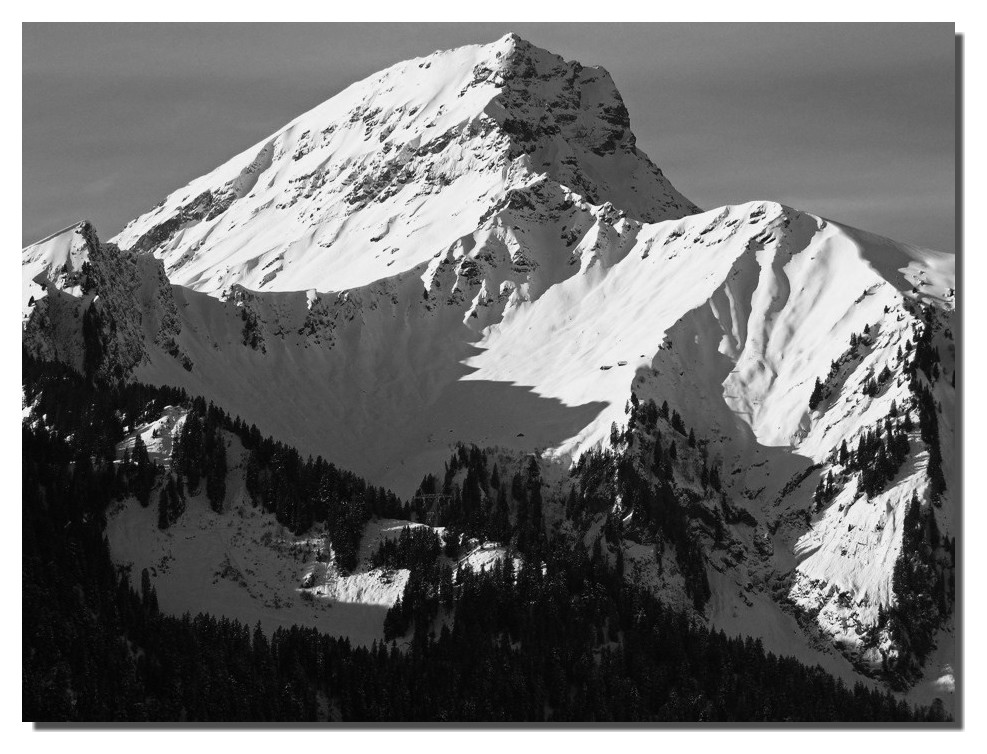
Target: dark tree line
(572, 641)
(485, 505)
(141, 471)
(926, 361)
(429, 590)
(878, 456)
(200, 452)
(415, 547)
(639, 471)
(661, 509)
(484, 508)
(171, 502)
(929, 427)
(299, 492)
(96, 649)
(93, 413)
(568, 640)
(643, 432)
(823, 389)
(926, 356)
(477, 501)
(924, 586)
(923, 581)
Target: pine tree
(164, 510)
(144, 472)
(659, 456)
(189, 450)
(817, 395)
(140, 456)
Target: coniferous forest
(570, 640)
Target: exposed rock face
(102, 313)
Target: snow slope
(398, 167)
(385, 356)
(730, 315)
(244, 565)
(159, 436)
(53, 259)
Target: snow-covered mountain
(469, 247)
(399, 166)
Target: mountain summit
(398, 167)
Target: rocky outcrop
(101, 316)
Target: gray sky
(853, 122)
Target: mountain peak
(511, 40)
(399, 167)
